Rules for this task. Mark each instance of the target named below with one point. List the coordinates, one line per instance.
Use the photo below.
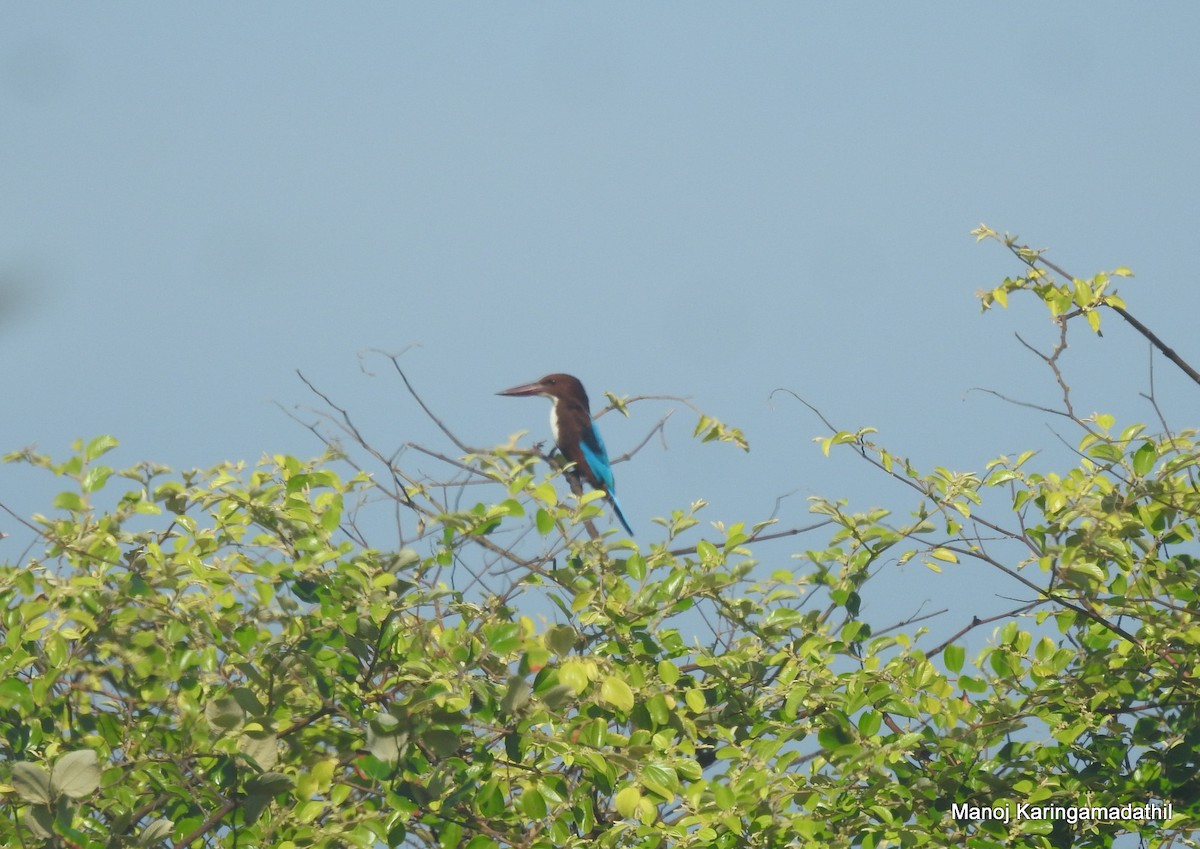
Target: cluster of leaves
(221, 658)
(1087, 694)
(1076, 296)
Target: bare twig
(658, 428)
(433, 417)
(976, 622)
(904, 623)
(1019, 403)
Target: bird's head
(553, 386)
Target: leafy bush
(224, 658)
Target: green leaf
(450, 835)
(561, 639)
(635, 567)
(533, 803)
(627, 801)
(40, 821)
(955, 655)
(261, 789)
(76, 774)
(252, 808)
(15, 693)
(386, 737)
(710, 429)
(95, 478)
(99, 446)
(660, 780)
(31, 782)
(1082, 294)
(558, 696)
(270, 784)
(517, 695)
(1143, 459)
(617, 693)
(724, 796)
(224, 713)
(441, 741)
(972, 684)
(1085, 571)
(503, 637)
(261, 747)
(513, 507)
(155, 832)
(574, 674)
(69, 501)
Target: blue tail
(596, 457)
(612, 496)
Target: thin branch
(1052, 361)
(1167, 351)
(1158, 343)
(348, 426)
(213, 820)
(658, 428)
(1019, 403)
(916, 617)
(791, 532)
(976, 622)
(1083, 608)
(43, 533)
(395, 358)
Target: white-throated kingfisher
(575, 433)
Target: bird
(575, 433)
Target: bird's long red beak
(525, 389)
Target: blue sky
(693, 199)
